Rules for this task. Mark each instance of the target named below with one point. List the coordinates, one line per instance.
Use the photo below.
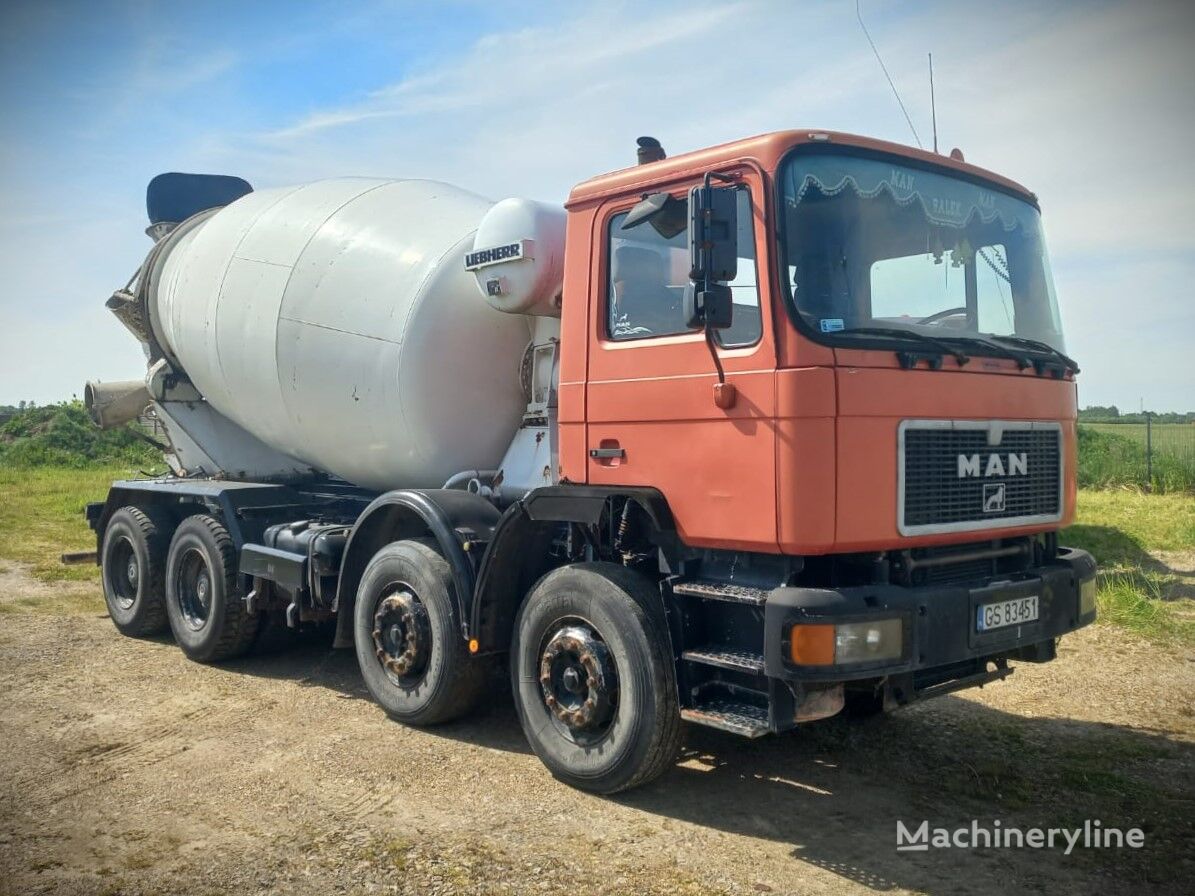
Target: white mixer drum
(337, 323)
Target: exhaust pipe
(648, 150)
(114, 404)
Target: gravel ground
(124, 768)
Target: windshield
(873, 244)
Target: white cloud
(1089, 105)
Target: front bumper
(939, 622)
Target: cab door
(651, 415)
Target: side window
(747, 324)
(648, 276)
(650, 272)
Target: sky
(1091, 105)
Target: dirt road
(124, 768)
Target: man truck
(744, 438)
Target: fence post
(1149, 453)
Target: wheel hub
(121, 573)
(195, 589)
(577, 678)
(401, 634)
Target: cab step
(726, 658)
(743, 719)
(727, 591)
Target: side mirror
(709, 306)
(713, 249)
(713, 233)
(666, 213)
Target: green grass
(1126, 531)
(1176, 437)
(61, 435)
(1113, 454)
(1120, 525)
(41, 517)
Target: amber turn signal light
(812, 645)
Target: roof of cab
(767, 150)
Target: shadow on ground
(1122, 556)
(833, 791)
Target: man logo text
(971, 465)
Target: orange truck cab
(866, 470)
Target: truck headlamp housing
(1087, 598)
(847, 643)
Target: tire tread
(666, 737)
(239, 626)
(154, 529)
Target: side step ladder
(725, 591)
(744, 719)
(724, 709)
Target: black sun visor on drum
(173, 197)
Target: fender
(518, 554)
(244, 507)
(455, 519)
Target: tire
(203, 596)
(133, 569)
(407, 634)
(611, 618)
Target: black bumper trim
(939, 620)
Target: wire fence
(1158, 457)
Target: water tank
(337, 322)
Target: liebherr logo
(972, 465)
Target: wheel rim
(194, 586)
(401, 634)
(123, 573)
(578, 681)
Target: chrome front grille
(961, 475)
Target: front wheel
(593, 678)
(407, 635)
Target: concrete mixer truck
(744, 438)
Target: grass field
(1114, 454)
(1178, 438)
(1131, 534)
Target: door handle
(600, 453)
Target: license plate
(1006, 612)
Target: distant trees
(1111, 414)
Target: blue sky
(1090, 104)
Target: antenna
(884, 68)
(933, 109)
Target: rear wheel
(203, 596)
(407, 634)
(133, 566)
(593, 677)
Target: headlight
(1087, 597)
(848, 642)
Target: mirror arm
(724, 393)
(709, 341)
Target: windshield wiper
(1067, 361)
(942, 347)
(992, 348)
